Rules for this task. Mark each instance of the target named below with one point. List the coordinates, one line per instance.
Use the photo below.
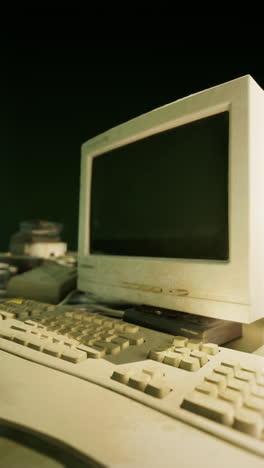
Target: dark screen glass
(165, 195)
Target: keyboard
(217, 390)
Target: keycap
(217, 410)
(122, 375)
(87, 318)
(254, 403)
(21, 338)
(75, 335)
(180, 341)
(131, 328)
(98, 320)
(40, 322)
(73, 355)
(79, 329)
(210, 348)
(158, 388)
(134, 338)
(231, 396)
(69, 327)
(153, 371)
(139, 381)
(87, 330)
(37, 343)
(122, 342)
(54, 327)
(234, 365)
(65, 340)
(53, 349)
(203, 358)
(184, 352)
(190, 364)
(108, 338)
(249, 422)
(22, 314)
(87, 340)
(21, 327)
(216, 379)
(243, 387)
(7, 334)
(110, 332)
(172, 359)
(40, 326)
(91, 352)
(260, 380)
(37, 332)
(250, 370)
(99, 332)
(194, 345)
(168, 347)
(45, 320)
(72, 327)
(110, 324)
(111, 348)
(258, 391)
(7, 315)
(78, 315)
(207, 388)
(157, 354)
(69, 314)
(31, 323)
(48, 334)
(245, 376)
(227, 372)
(99, 346)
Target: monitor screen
(165, 195)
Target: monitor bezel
(211, 288)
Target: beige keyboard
(218, 390)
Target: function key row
(75, 318)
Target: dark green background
(63, 83)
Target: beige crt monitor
(172, 206)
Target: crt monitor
(171, 210)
